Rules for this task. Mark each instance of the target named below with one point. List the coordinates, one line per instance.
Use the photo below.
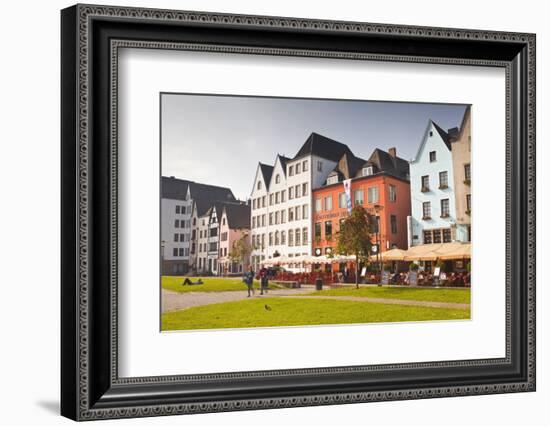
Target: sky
(219, 140)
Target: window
(283, 196)
(263, 240)
(427, 237)
(393, 193)
(319, 166)
(283, 238)
(328, 229)
(259, 185)
(180, 252)
(358, 197)
(177, 223)
(277, 240)
(447, 235)
(175, 252)
(176, 237)
(367, 171)
(468, 203)
(432, 156)
(263, 220)
(425, 184)
(372, 194)
(291, 193)
(332, 179)
(254, 204)
(270, 219)
(277, 197)
(318, 206)
(393, 224)
(304, 236)
(283, 216)
(297, 191)
(271, 238)
(253, 221)
(291, 170)
(297, 236)
(304, 189)
(317, 230)
(437, 236)
(263, 201)
(375, 224)
(298, 168)
(305, 211)
(297, 212)
(342, 200)
(304, 165)
(277, 178)
(182, 209)
(270, 199)
(213, 232)
(426, 210)
(177, 209)
(290, 238)
(223, 221)
(182, 237)
(328, 203)
(443, 180)
(445, 207)
(467, 173)
(291, 214)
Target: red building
(380, 184)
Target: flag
(347, 190)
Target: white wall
(29, 304)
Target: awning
(390, 255)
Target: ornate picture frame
(90, 39)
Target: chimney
(392, 152)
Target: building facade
(433, 211)
(281, 199)
(234, 231)
(461, 153)
(381, 185)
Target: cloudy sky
(219, 140)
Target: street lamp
(377, 209)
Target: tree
(355, 236)
(241, 249)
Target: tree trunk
(356, 271)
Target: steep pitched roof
(238, 215)
(444, 135)
(173, 188)
(283, 161)
(384, 162)
(348, 166)
(204, 195)
(323, 147)
(267, 171)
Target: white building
(433, 212)
(182, 202)
(282, 201)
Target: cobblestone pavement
(172, 301)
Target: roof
(238, 215)
(323, 147)
(384, 162)
(347, 166)
(267, 171)
(283, 161)
(173, 188)
(444, 135)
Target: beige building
(461, 153)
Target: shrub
(413, 266)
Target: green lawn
(407, 293)
(293, 311)
(174, 283)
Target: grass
(296, 312)
(174, 283)
(461, 295)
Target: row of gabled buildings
(297, 204)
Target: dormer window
(367, 171)
(332, 179)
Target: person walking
(264, 280)
(249, 280)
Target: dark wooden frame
(90, 386)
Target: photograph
(279, 212)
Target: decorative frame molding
(91, 37)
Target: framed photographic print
(263, 212)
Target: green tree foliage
(241, 250)
(355, 236)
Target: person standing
(264, 281)
(249, 280)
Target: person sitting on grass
(189, 282)
(249, 280)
